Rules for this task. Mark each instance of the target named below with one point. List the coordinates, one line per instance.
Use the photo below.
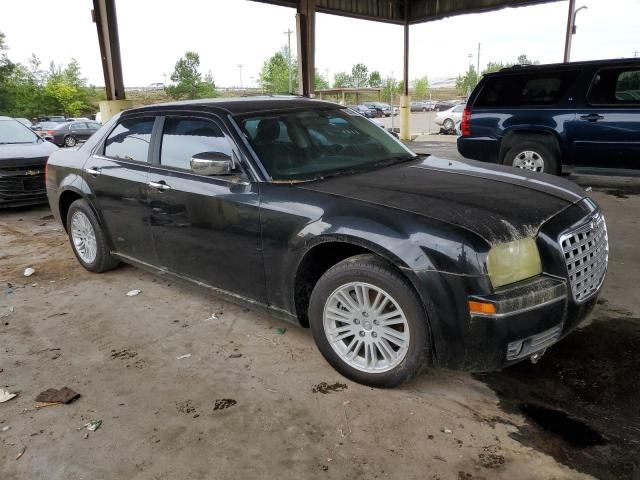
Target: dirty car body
(267, 234)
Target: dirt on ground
(189, 386)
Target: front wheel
(70, 141)
(533, 156)
(87, 238)
(368, 322)
(448, 124)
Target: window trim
(157, 159)
(610, 105)
(103, 145)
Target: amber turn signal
(482, 308)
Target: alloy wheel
(84, 237)
(366, 327)
(529, 160)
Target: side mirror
(211, 163)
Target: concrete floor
(245, 404)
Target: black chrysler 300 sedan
(395, 261)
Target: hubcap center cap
(367, 325)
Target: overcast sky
(226, 33)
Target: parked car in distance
(42, 128)
(69, 134)
(364, 110)
(443, 105)
(26, 122)
(52, 118)
(581, 116)
(23, 156)
(450, 117)
(422, 106)
(302, 208)
(382, 109)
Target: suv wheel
(87, 238)
(533, 156)
(368, 322)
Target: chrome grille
(586, 252)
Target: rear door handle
(161, 186)
(94, 172)
(592, 117)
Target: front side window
(527, 88)
(130, 140)
(616, 86)
(304, 145)
(183, 138)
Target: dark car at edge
(581, 116)
(311, 212)
(23, 156)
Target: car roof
(569, 66)
(241, 105)
(7, 118)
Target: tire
(448, 124)
(532, 155)
(372, 366)
(70, 141)
(424, 109)
(81, 219)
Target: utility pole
(635, 53)
(240, 70)
(470, 57)
(478, 71)
(393, 86)
(164, 75)
(288, 34)
(571, 28)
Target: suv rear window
(616, 86)
(515, 90)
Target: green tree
(360, 75)
(342, 80)
(6, 70)
(495, 67)
(375, 79)
(524, 60)
(187, 80)
(421, 87)
(467, 82)
(274, 76)
(321, 82)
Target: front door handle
(161, 186)
(592, 117)
(94, 172)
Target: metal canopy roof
(419, 11)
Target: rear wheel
(87, 238)
(532, 155)
(448, 124)
(368, 322)
(70, 141)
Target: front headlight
(513, 261)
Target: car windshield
(13, 132)
(311, 144)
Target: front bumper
(22, 187)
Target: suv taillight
(465, 124)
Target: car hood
(498, 203)
(25, 154)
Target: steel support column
(306, 31)
(405, 100)
(104, 16)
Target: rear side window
(528, 89)
(185, 137)
(130, 140)
(616, 86)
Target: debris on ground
(24, 449)
(5, 395)
(6, 428)
(445, 430)
(324, 387)
(186, 355)
(29, 271)
(223, 403)
(235, 355)
(211, 317)
(279, 330)
(133, 293)
(52, 396)
(93, 425)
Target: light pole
(288, 34)
(240, 70)
(571, 28)
(393, 86)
